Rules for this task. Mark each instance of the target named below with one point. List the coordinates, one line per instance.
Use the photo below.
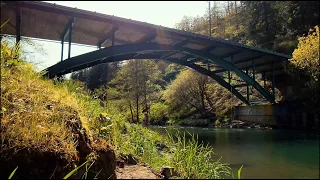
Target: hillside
(45, 130)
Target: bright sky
(164, 13)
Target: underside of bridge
(119, 39)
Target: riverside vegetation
(53, 129)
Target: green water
(263, 153)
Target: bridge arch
(153, 51)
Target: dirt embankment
(34, 162)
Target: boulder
(168, 172)
(120, 164)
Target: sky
(164, 13)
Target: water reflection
(264, 153)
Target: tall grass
(188, 157)
(194, 160)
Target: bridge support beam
(264, 79)
(62, 45)
(218, 79)
(70, 40)
(232, 67)
(253, 69)
(109, 35)
(229, 73)
(18, 24)
(67, 32)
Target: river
(263, 153)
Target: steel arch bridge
(121, 39)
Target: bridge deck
(50, 21)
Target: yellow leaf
(8, 52)
(104, 114)
(103, 128)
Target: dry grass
(34, 111)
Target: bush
(158, 113)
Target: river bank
(209, 123)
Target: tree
(306, 56)
(305, 65)
(187, 92)
(262, 24)
(303, 15)
(136, 82)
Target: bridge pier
(277, 115)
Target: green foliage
(136, 82)
(12, 173)
(195, 159)
(158, 112)
(186, 91)
(239, 172)
(191, 159)
(303, 15)
(74, 171)
(286, 47)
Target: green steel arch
(151, 51)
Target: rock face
(33, 164)
(84, 143)
(107, 161)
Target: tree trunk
(208, 99)
(146, 118)
(132, 120)
(137, 91)
(235, 6)
(228, 10)
(266, 20)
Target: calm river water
(263, 153)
